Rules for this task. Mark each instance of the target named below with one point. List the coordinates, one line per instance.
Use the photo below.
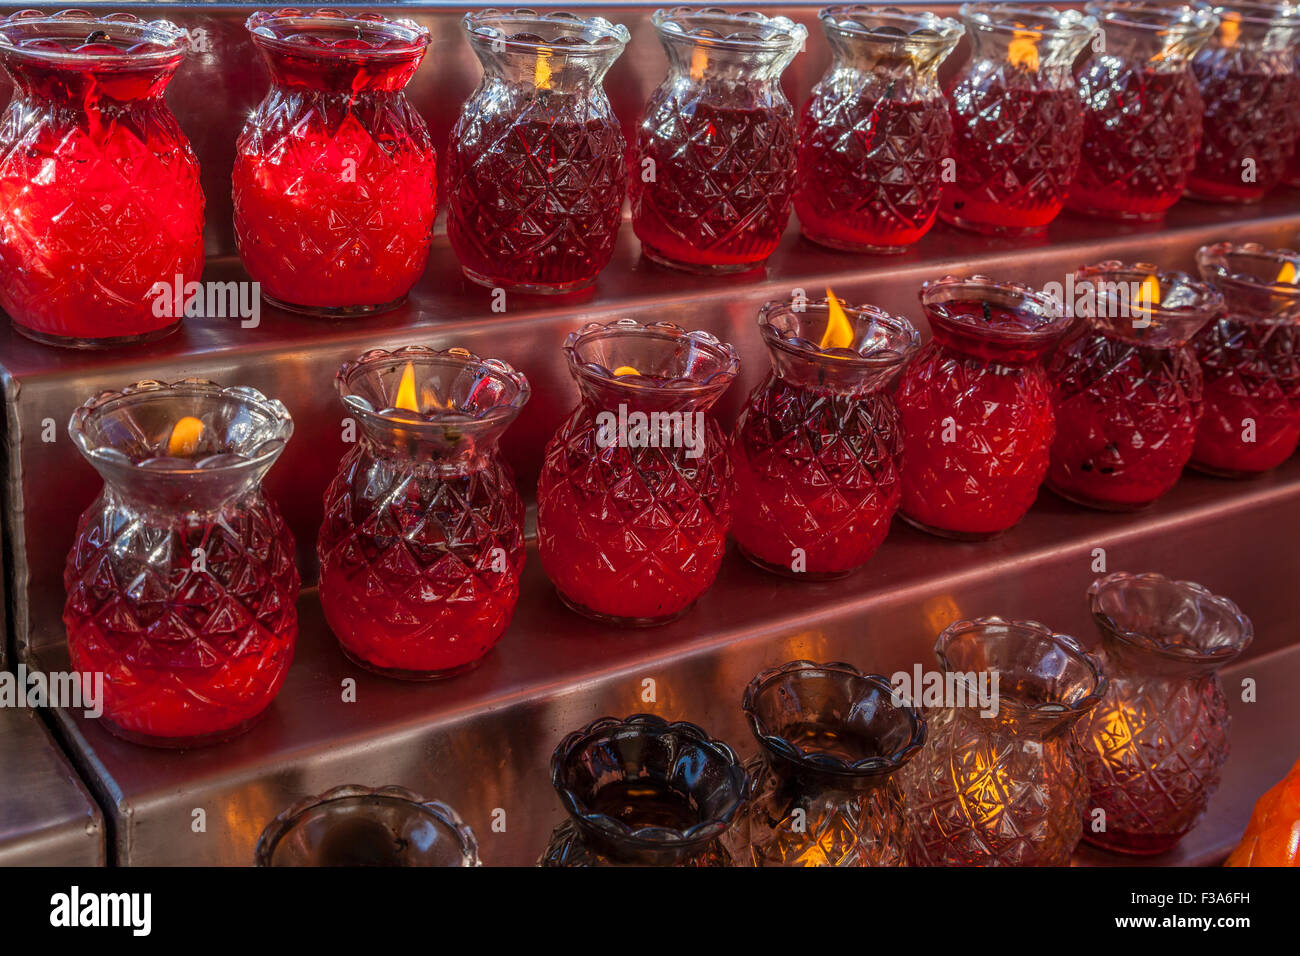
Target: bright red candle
(1127, 389)
(334, 172)
(1250, 357)
(875, 134)
(181, 584)
(537, 165)
(99, 189)
(1017, 119)
(1142, 111)
(817, 446)
(633, 511)
(422, 544)
(976, 407)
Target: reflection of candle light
(184, 439)
(542, 72)
(406, 390)
(1023, 50)
(1229, 28)
(1149, 292)
(626, 370)
(1287, 273)
(699, 61)
(839, 333)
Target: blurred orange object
(1272, 837)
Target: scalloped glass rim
(609, 36)
(1184, 19)
(274, 832)
(1217, 257)
(867, 766)
(500, 370)
(267, 451)
(166, 34)
(883, 356)
(1042, 20)
(782, 32)
(651, 838)
(932, 28)
(1208, 299)
(1262, 14)
(412, 36)
(1058, 320)
(728, 358)
(1065, 642)
(1174, 652)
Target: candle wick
(96, 36)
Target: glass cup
(361, 826)
(875, 135)
(1250, 358)
(999, 781)
(422, 545)
(825, 782)
(1142, 109)
(713, 170)
(976, 406)
(816, 448)
(1126, 387)
(334, 171)
(644, 792)
(101, 212)
(181, 586)
(536, 165)
(1155, 745)
(1017, 118)
(635, 496)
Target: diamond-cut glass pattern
(871, 161)
(814, 826)
(815, 471)
(987, 793)
(1126, 417)
(334, 197)
(537, 181)
(420, 567)
(632, 533)
(98, 203)
(1142, 128)
(1252, 375)
(191, 618)
(1153, 750)
(723, 176)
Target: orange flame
(542, 71)
(406, 390)
(1023, 49)
(1229, 28)
(626, 370)
(184, 439)
(1148, 293)
(839, 333)
(699, 62)
(1287, 273)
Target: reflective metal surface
(46, 816)
(482, 741)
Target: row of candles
(334, 185)
(1122, 749)
(181, 584)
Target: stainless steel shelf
(482, 741)
(47, 818)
